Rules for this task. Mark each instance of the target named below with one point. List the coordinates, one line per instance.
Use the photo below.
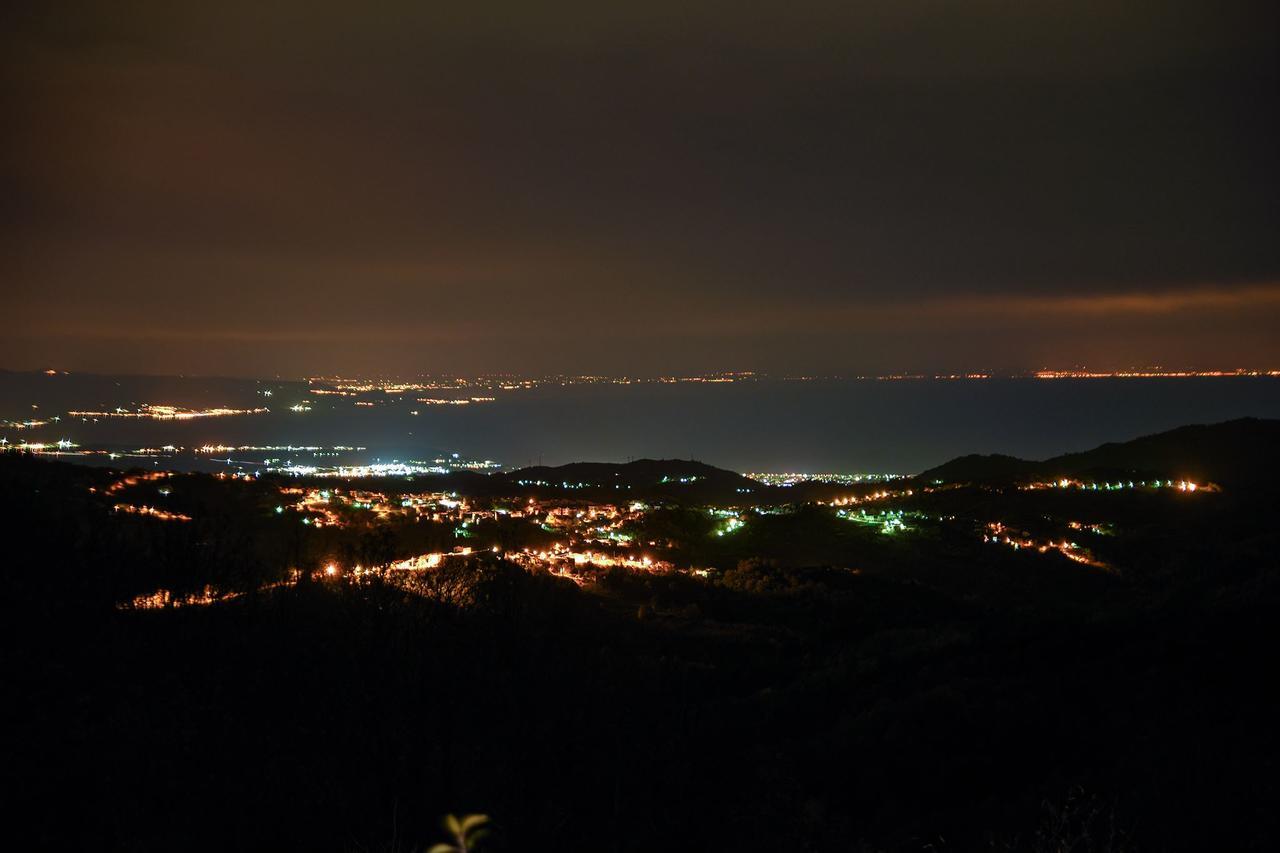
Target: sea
(749, 425)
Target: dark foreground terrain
(924, 686)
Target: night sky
(253, 188)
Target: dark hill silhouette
(642, 479)
(646, 479)
(1244, 452)
(977, 467)
(641, 472)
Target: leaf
(443, 848)
(451, 824)
(473, 820)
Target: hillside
(1242, 452)
(335, 665)
(642, 479)
(977, 467)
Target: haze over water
(763, 425)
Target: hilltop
(679, 480)
(1240, 452)
(648, 478)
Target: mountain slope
(1243, 451)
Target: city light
(167, 413)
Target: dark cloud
(251, 188)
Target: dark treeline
(942, 696)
